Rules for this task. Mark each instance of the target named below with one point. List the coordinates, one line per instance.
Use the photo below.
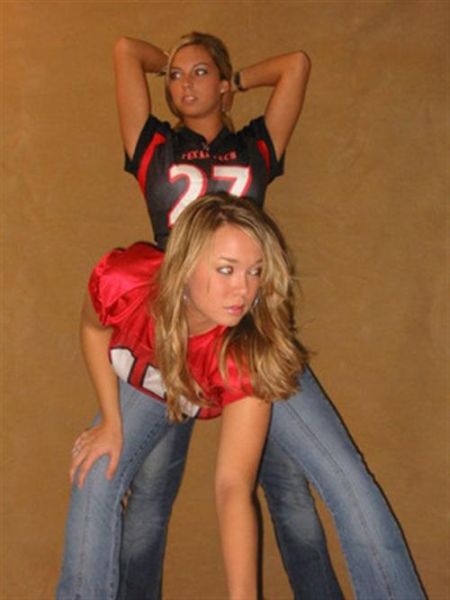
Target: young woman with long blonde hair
(186, 333)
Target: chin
(233, 321)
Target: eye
(200, 71)
(174, 75)
(255, 272)
(226, 270)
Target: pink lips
(235, 309)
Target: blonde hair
(263, 343)
(220, 56)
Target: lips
(235, 309)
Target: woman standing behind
(307, 441)
(176, 166)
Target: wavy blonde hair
(220, 56)
(263, 343)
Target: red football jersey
(121, 290)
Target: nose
(241, 284)
(187, 80)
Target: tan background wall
(363, 204)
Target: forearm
(104, 438)
(95, 348)
(239, 535)
(287, 75)
(270, 71)
(243, 433)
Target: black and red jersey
(120, 287)
(176, 166)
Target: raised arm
(133, 59)
(288, 75)
(106, 437)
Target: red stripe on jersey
(146, 159)
(262, 147)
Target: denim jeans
(307, 428)
(307, 442)
(90, 568)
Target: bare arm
(243, 433)
(288, 75)
(133, 59)
(106, 437)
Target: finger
(112, 466)
(85, 467)
(81, 436)
(84, 435)
(76, 461)
(76, 449)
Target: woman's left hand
(100, 440)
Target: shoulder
(256, 135)
(219, 388)
(123, 273)
(154, 132)
(256, 128)
(129, 266)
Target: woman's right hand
(100, 440)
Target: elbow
(296, 71)
(231, 489)
(122, 47)
(300, 63)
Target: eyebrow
(235, 260)
(200, 64)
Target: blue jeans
(90, 568)
(307, 442)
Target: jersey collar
(188, 135)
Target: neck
(208, 128)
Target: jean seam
(351, 492)
(292, 561)
(133, 459)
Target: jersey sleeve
(153, 133)
(121, 281)
(258, 131)
(236, 386)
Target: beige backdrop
(363, 204)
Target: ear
(224, 86)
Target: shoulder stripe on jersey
(158, 139)
(262, 147)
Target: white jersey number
(238, 179)
(123, 362)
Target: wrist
(163, 70)
(237, 82)
(112, 422)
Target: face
(194, 83)
(225, 280)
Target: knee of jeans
(299, 525)
(291, 504)
(96, 485)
